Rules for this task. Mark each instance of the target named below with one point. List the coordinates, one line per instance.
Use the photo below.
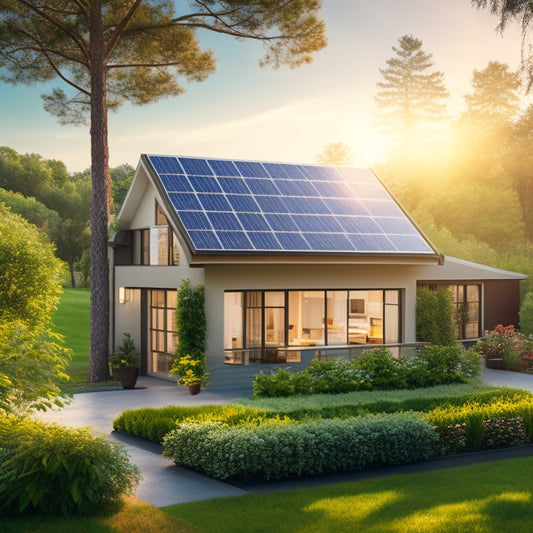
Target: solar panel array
(258, 207)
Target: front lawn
(72, 321)
(493, 497)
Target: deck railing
(246, 356)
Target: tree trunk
(99, 337)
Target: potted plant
(191, 372)
(126, 363)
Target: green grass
(72, 321)
(491, 497)
(295, 403)
(494, 497)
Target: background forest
(467, 180)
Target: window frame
(260, 308)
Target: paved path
(166, 484)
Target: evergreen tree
(409, 101)
(109, 52)
(483, 130)
(335, 154)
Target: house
(295, 259)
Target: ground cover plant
(473, 499)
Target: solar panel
(223, 168)
(204, 184)
(233, 185)
(224, 221)
(253, 207)
(264, 187)
(263, 240)
(195, 166)
(253, 222)
(176, 183)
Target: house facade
(295, 260)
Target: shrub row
(504, 421)
(54, 469)
(282, 450)
(155, 423)
(376, 369)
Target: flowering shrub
(505, 343)
(502, 432)
(474, 426)
(190, 370)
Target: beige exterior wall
(128, 315)
(241, 277)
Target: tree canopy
(109, 52)
(29, 272)
(336, 153)
(514, 11)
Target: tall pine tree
(409, 101)
(112, 51)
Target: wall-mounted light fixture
(123, 295)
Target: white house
(295, 259)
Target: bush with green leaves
(154, 423)
(283, 450)
(435, 317)
(53, 469)
(29, 272)
(375, 369)
(191, 327)
(32, 368)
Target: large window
(162, 330)
(263, 320)
(466, 299)
(157, 245)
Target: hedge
(283, 450)
(375, 369)
(155, 423)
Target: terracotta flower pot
(194, 388)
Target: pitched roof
(258, 208)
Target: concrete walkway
(165, 484)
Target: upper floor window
(156, 245)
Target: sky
(243, 111)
